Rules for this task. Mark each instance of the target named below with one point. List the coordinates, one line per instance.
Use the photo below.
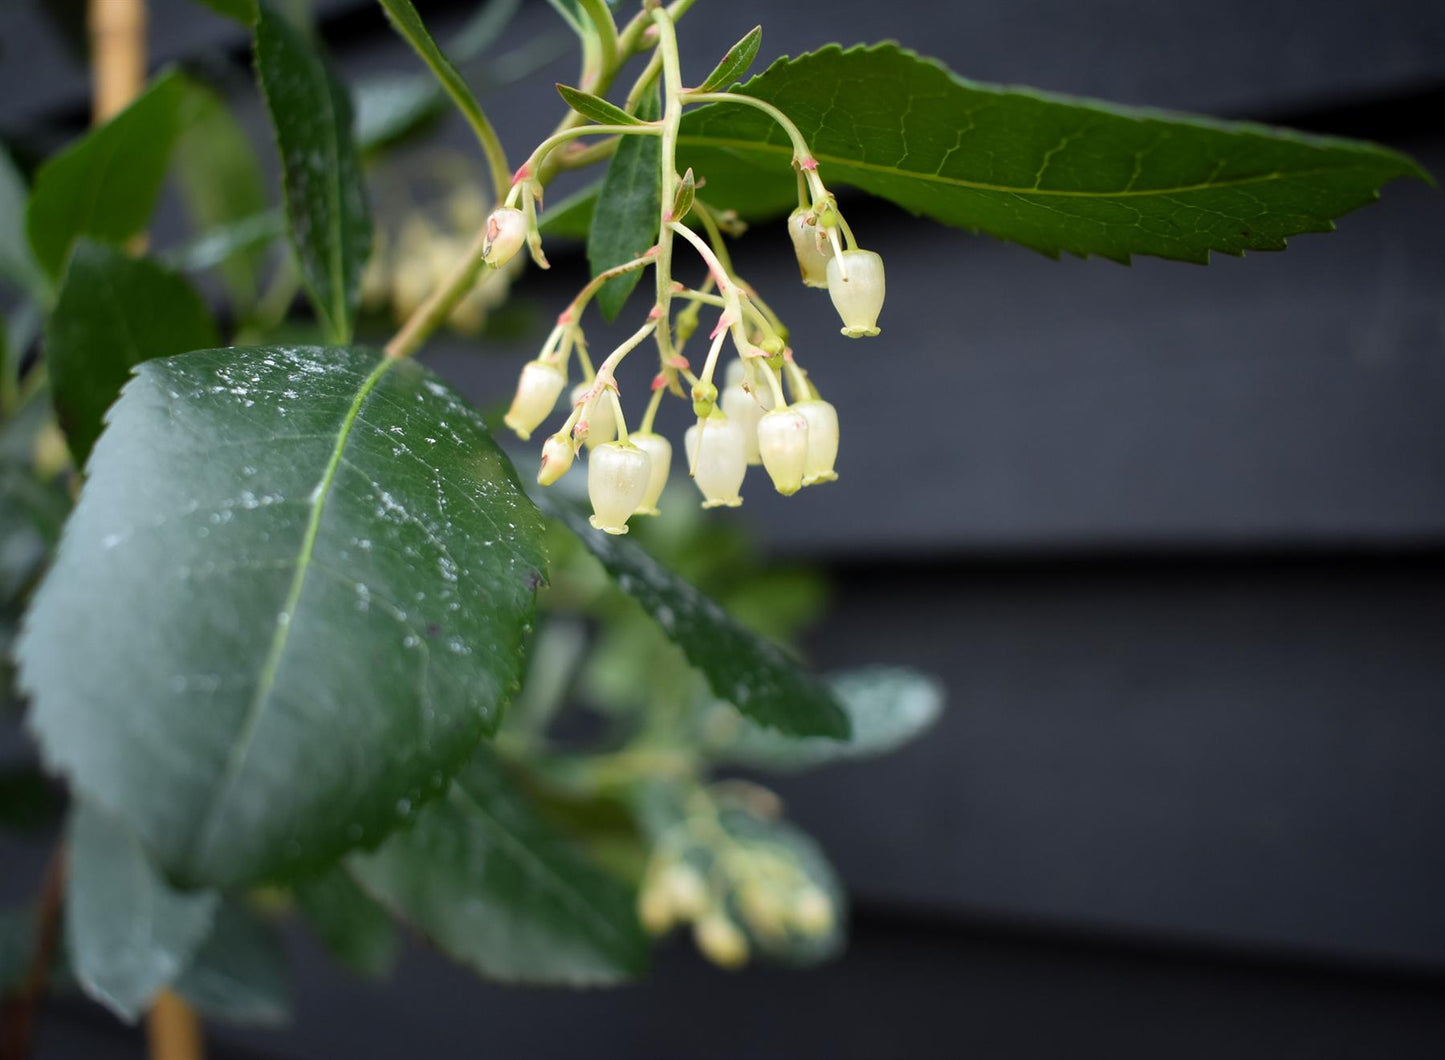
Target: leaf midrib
(270, 667)
(719, 143)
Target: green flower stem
(575, 308)
(440, 303)
(671, 119)
(648, 415)
(533, 167)
(714, 235)
(801, 152)
(606, 29)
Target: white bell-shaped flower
(601, 420)
(822, 420)
(740, 407)
(617, 477)
(812, 247)
(506, 232)
(783, 443)
(719, 459)
(855, 283)
(659, 451)
(557, 454)
(537, 391)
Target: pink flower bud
(557, 454)
(537, 392)
(783, 444)
(506, 232)
(822, 420)
(659, 451)
(812, 247)
(720, 461)
(855, 283)
(617, 477)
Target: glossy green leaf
(240, 974)
(753, 673)
(735, 63)
(17, 263)
(326, 210)
(105, 185)
(626, 217)
(494, 886)
(595, 108)
(220, 181)
(128, 932)
(1053, 173)
(301, 580)
(886, 707)
(357, 931)
(113, 312)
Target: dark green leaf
(105, 184)
(625, 220)
(128, 932)
(300, 580)
(241, 10)
(572, 217)
(887, 707)
(356, 930)
(493, 885)
(220, 181)
(240, 974)
(17, 263)
(113, 312)
(1053, 173)
(735, 63)
(320, 171)
(748, 671)
(246, 236)
(595, 108)
(685, 197)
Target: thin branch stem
(173, 1032)
(801, 152)
(430, 315)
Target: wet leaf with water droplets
(261, 682)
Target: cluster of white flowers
(768, 412)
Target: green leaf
(748, 671)
(595, 108)
(128, 932)
(735, 63)
(220, 181)
(247, 236)
(685, 197)
(389, 109)
(243, 11)
(300, 579)
(571, 218)
(240, 974)
(626, 217)
(886, 707)
(113, 312)
(356, 930)
(17, 263)
(326, 210)
(1053, 173)
(491, 884)
(105, 185)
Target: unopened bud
(537, 391)
(686, 891)
(716, 452)
(557, 455)
(506, 232)
(740, 407)
(704, 399)
(812, 247)
(659, 451)
(822, 420)
(763, 909)
(721, 941)
(654, 909)
(783, 445)
(812, 912)
(601, 420)
(616, 480)
(855, 283)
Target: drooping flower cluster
(768, 410)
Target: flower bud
(557, 455)
(659, 451)
(601, 420)
(822, 420)
(654, 909)
(721, 941)
(812, 912)
(686, 891)
(812, 247)
(704, 399)
(783, 445)
(506, 232)
(719, 463)
(858, 296)
(738, 405)
(537, 392)
(616, 481)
